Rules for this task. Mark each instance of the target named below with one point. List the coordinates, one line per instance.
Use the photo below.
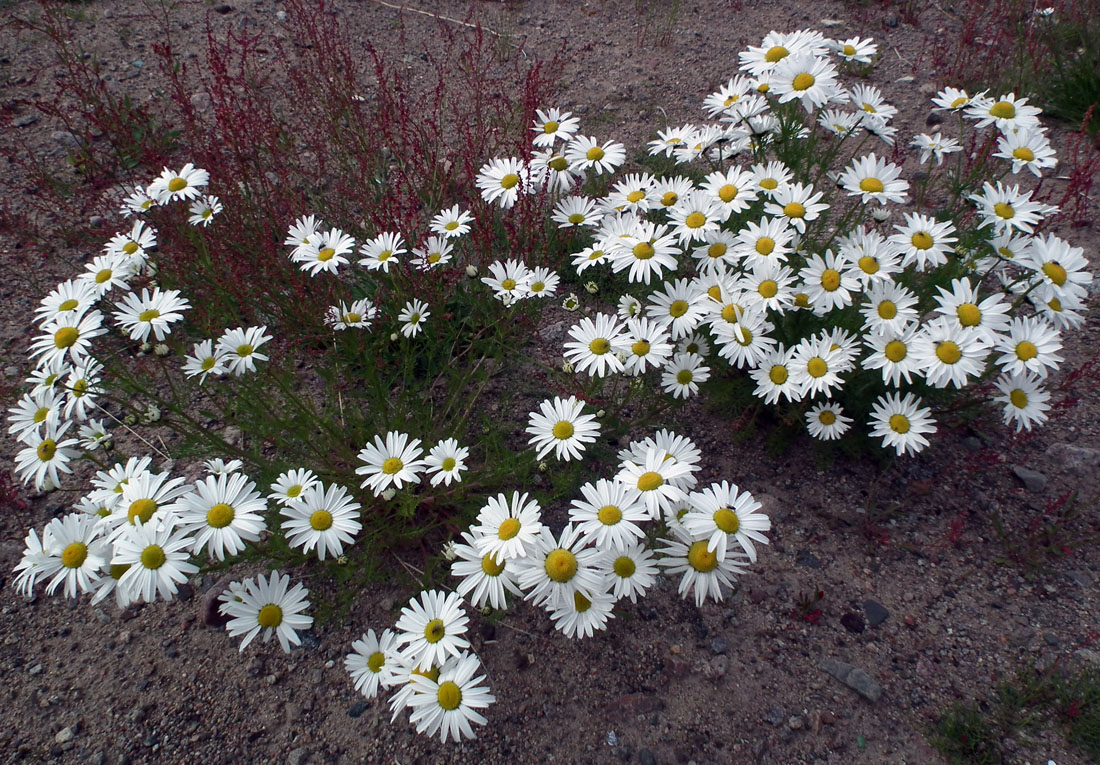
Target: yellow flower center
(244, 350)
(118, 569)
(141, 510)
(550, 126)
(1004, 210)
(153, 557)
(220, 515)
(561, 565)
(728, 192)
(1018, 399)
(509, 181)
(727, 520)
(558, 164)
(830, 279)
(434, 631)
(130, 248)
(435, 257)
(794, 210)
(1024, 153)
(508, 284)
(270, 616)
(609, 515)
(103, 275)
(177, 184)
(895, 350)
(778, 374)
(700, 558)
(490, 566)
(801, 299)
(208, 363)
(731, 312)
(768, 288)
(623, 567)
(581, 603)
(803, 81)
(948, 352)
(695, 220)
(1055, 305)
(677, 308)
(595, 154)
(41, 414)
(74, 555)
(887, 310)
(816, 367)
(776, 53)
(684, 376)
(448, 464)
(635, 196)
(326, 254)
(392, 466)
(650, 481)
(47, 449)
(871, 185)
(66, 337)
(640, 348)
(563, 430)
(576, 219)
(969, 315)
(1055, 272)
(960, 102)
(643, 251)
(352, 318)
(600, 346)
(848, 50)
(538, 287)
(449, 695)
(148, 315)
(868, 264)
(384, 255)
(376, 661)
(899, 423)
(1026, 350)
(1002, 110)
(68, 305)
(765, 245)
(826, 418)
(922, 240)
(508, 529)
(670, 198)
(321, 520)
(771, 184)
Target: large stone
(853, 677)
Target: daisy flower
(1005, 207)
(449, 703)
(71, 299)
(542, 283)
(68, 338)
(704, 572)
(1008, 113)
(325, 252)
(452, 222)
(727, 95)
(105, 272)
(718, 250)
(590, 256)
(647, 251)
(146, 499)
(1030, 344)
(924, 241)
(678, 449)
(609, 515)
(185, 184)
(1027, 148)
(934, 147)
(733, 189)
(371, 662)
(509, 280)
(745, 342)
(238, 348)
(382, 251)
(583, 615)
(683, 375)
(805, 77)
(855, 50)
(556, 568)
(951, 99)
(654, 477)
(649, 346)
(796, 204)
(358, 315)
(961, 303)
(137, 202)
(667, 191)
(634, 193)
(827, 421)
(678, 306)
(1025, 401)
(431, 629)
(393, 462)
(553, 124)
(203, 210)
(267, 606)
(892, 352)
(889, 307)
(501, 180)
(508, 527)
(203, 361)
(721, 511)
(574, 211)
(323, 518)
(290, 485)
(695, 215)
(446, 461)
(157, 554)
(484, 578)
(221, 513)
(94, 435)
(435, 252)
(219, 466)
(868, 99)
(34, 410)
(412, 317)
(768, 240)
(108, 583)
(47, 451)
(551, 169)
(1062, 270)
(901, 422)
(874, 180)
(150, 312)
(305, 230)
(815, 366)
(947, 354)
(873, 258)
(632, 571)
(586, 153)
(773, 376)
(559, 426)
(81, 389)
(135, 245)
(595, 345)
(73, 554)
(770, 177)
(829, 282)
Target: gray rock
(876, 612)
(807, 559)
(719, 645)
(35, 670)
(646, 757)
(1076, 458)
(357, 709)
(25, 121)
(65, 735)
(854, 677)
(1032, 480)
(201, 101)
(297, 756)
(1080, 578)
(1088, 657)
(776, 715)
(65, 138)
(795, 722)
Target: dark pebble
(892, 22)
(852, 622)
(776, 715)
(488, 631)
(807, 559)
(646, 757)
(933, 119)
(185, 592)
(309, 640)
(876, 612)
(719, 646)
(223, 9)
(357, 709)
(700, 630)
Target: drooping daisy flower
(1025, 401)
(150, 312)
(358, 315)
(82, 386)
(552, 125)
(934, 147)
(855, 50)
(560, 426)
(501, 180)
(157, 555)
(721, 511)
(218, 466)
(595, 344)
(270, 606)
(203, 210)
(431, 629)
(34, 410)
(137, 202)
(290, 485)
(325, 519)
(486, 579)
(382, 251)
(446, 461)
(93, 435)
(901, 422)
(222, 513)
(509, 280)
(583, 615)
(392, 462)
(186, 184)
(47, 451)
(239, 348)
(951, 99)
(372, 661)
(704, 572)
(412, 317)
(874, 180)
(587, 153)
(449, 703)
(507, 527)
(305, 230)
